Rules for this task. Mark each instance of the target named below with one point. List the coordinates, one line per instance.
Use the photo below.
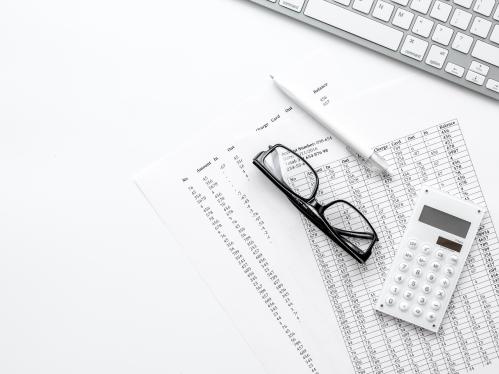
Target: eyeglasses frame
(314, 211)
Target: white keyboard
(456, 40)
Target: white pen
(315, 103)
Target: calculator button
(426, 288)
(421, 300)
(408, 256)
(439, 254)
(417, 311)
(440, 294)
(412, 283)
(444, 282)
(426, 249)
(408, 294)
(422, 260)
(399, 278)
(395, 290)
(403, 266)
(431, 277)
(412, 244)
(417, 272)
(435, 305)
(431, 316)
(403, 306)
(454, 259)
(435, 266)
(390, 300)
(448, 271)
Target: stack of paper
(301, 303)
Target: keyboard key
(426, 248)
(460, 19)
(480, 27)
(399, 278)
(486, 52)
(295, 5)
(435, 266)
(496, 14)
(394, 289)
(412, 283)
(444, 282)
(383, 11)
(408, 294)
(441, 11)
(390, 300)
(363, 6)
(431, 277)
(439, 254)
(454, 69)
(454, 259)
(463, 3)
(408, 255)
(422, 26)
(403, 267)
(422, 260)
(403, 18)
(494, 37)
(436, 57)
(344, 2)
(440, 293)
(435, 305)
(475, 78)
(412, 244)
(403, 306)
(421, 6)
(401, 2)
(417, 272)
(417, 311)
(484, 7)
(354, 23)
(431, 316)
(449, 271)
(414, 47)
(426, 288)
(479, 68)
(442, 34)
(492, 85)
(421, 300)
(462, 43)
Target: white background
(90, 93)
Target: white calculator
(430, 258)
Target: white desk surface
(90, 92)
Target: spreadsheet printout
(437, 156)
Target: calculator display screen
(444, 221)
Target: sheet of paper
(436, 156)
(232, 256)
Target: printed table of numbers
(378, 343)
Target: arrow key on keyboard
(454, 69)
(475, 77)
(493, 85)
(414, 47)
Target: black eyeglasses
(344, 224)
